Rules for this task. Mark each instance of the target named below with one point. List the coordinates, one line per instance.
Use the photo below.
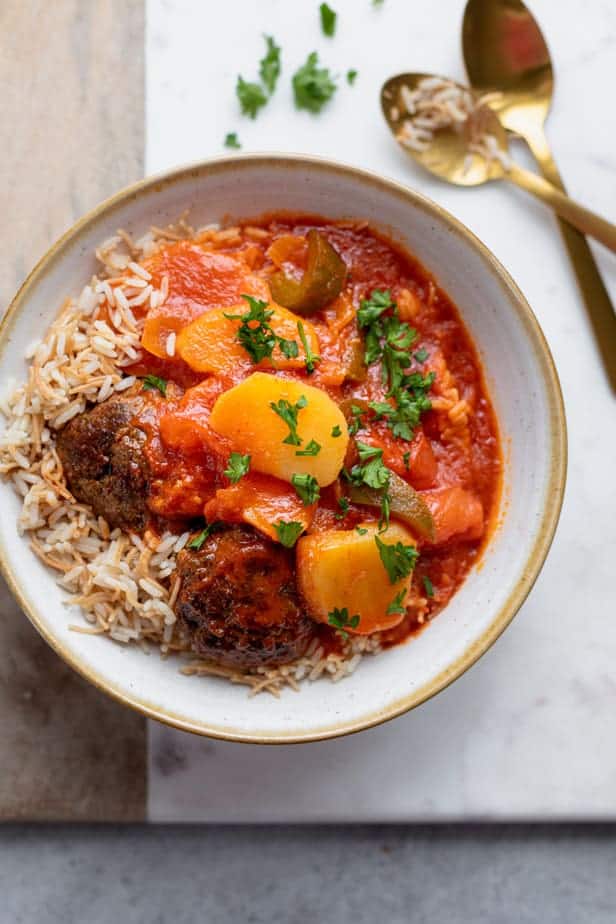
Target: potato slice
(342, 569)
(245, 417)
(210, 343)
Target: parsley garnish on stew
(361, 530)
(397, 604)
(288, 412)
(232, 141)
(153, 382)
(428, 586)
(388, 341)
(289, 532)
(307, 488)
(251, 97)
(421, 355)
(197, 541)
(311, 358)
(336, 431)
(269, 66)
(371, 470)
(398, 559)
(312, 449)
(237, 466)
(340, 619)
(313, 86)
(328, 19)
(343, 503)
(254, 333)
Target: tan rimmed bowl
(521, 378)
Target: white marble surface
(529, 731)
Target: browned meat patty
(239, 601)
(102, 455)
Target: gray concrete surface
(454, 875)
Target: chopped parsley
(307, 488)
(397, 604)
(336, 431)
(311, 358)
(343, 503)
(255, 333)
(421, 355)
(251, 97)
(328, 19)
(370, 470)
(237, 466)
(428, 586)
(269, 66)
(388, 341)
(406, 458)
(340, 619)
(351, 77)
(288, 348)
(313, 86)
(356, 423)
(312, 449)
(288, 412)
(361, 530)
(153, 382)
(232, 141)
(398, 559)
(288, 532)
(197, 541)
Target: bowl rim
(553, 496)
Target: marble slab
(529, 732)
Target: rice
(122, 585)
(437, 104)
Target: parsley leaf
(340, 619)
(251, 97)
(269, 66)
(336, 431)
(288, 348)
(153, 382)
(343, 503)
(388, 340)
(428, 586)
(288, 412)
(356, 423)
(312, 449)
(361, 530)
(311, 358)
(421, 355)
(313, 86)
(398, 559)
(307, 488)
(197, 541)
(232, 141)
(372, 471)
(406, 458)
(351, 76)
(328, 19)
(397, 604)
(258, 341)
(288, 532)
(237, 466)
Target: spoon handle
(578, 216)
(596, 298)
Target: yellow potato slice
(342, 569)
(245, 417)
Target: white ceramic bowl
(522, 382)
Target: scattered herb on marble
(328, 19)
(232, 141)
(313, 86)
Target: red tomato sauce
(455, 467)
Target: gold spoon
(505, 51)
(447, 156)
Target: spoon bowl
(447, 154)
(507, 56)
